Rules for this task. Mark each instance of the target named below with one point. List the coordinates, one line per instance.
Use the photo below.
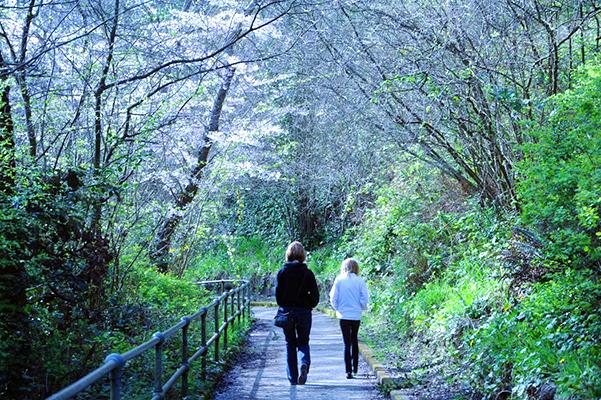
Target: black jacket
(288, 292)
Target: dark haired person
(349, 297)
(296, 292)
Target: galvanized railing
(234, 303)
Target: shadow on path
(260, 372)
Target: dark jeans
(297, 339)
(350, 330)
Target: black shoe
(355, 371)
(303, 375)
(349, 375)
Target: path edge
(378, 368)
(383, 378)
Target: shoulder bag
(284, 319)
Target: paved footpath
(260, 372)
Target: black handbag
(283, 319)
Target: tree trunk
(14, 324)
(28, 118)
(96, 272)
(162, 242)
(21, 79)
(7, 136)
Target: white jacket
(349, 296)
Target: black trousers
(350, 330)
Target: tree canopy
(452, 146)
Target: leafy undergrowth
(164, 299)
(449, 309)
(149, 302)
(138, 378)
(216, 370)
(551, 335)
(239, 257)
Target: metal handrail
(114, 364)
(221, 281)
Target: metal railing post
(114, 365)
(216, 353)
(243, 302)
(158, 365)
(232, 293)
(225, 321)
(247, 299)
(115, 375)
(203, 343)
(239, 312)
(185, 364)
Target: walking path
(260, 372)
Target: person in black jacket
(296, 292)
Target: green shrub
(550, 336)
(166, 295)
(560, 185)
(430, 270)
(238, 257)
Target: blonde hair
(295, 251)
(349, 265)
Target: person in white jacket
(349, 297)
